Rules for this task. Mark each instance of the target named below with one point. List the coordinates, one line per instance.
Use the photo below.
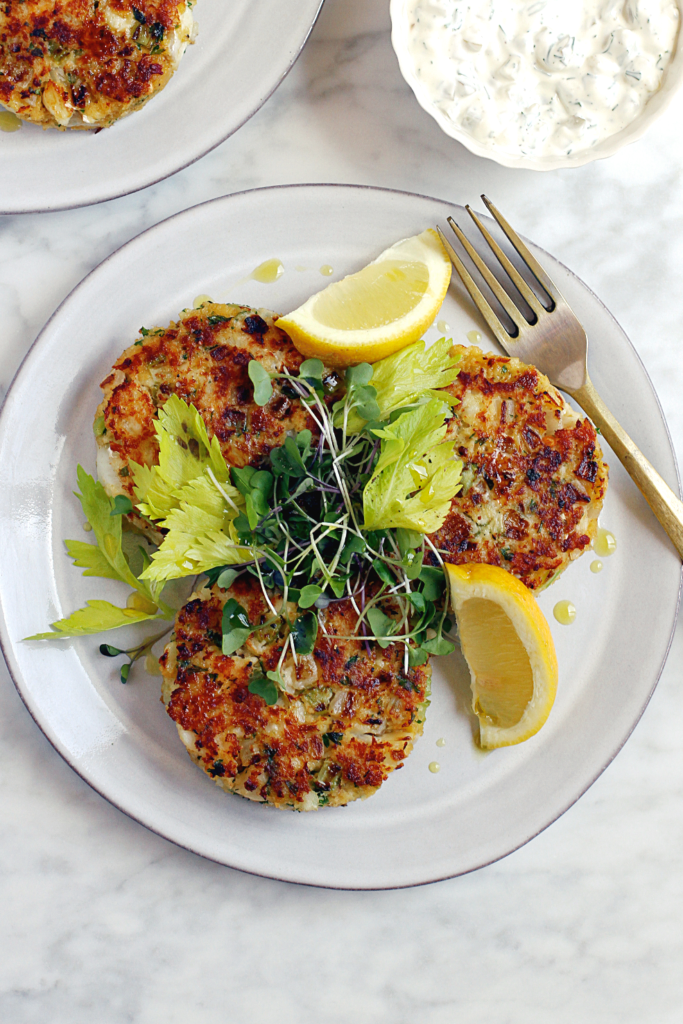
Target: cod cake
(202, 358)
(534, 479)
(348, 717)
(87, 63)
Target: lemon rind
(521, 607)
(343, 348)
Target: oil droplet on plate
(200, 300)
(87, 527)
(442, 327)
(9, 122)
(596, 566)
(474, 337)
(434, 767)
(326, 270)
(301, 269)
(605, 544)
(268, 271)
(441, 742)
(564, 612)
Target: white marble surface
(103, 921)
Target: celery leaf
(185, 453)
(201, 534)
(416, 475)
(97, 506)
(404, 377)
(96, 617)
(190, 495)
(90, 558)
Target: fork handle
(659, 496)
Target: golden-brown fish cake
(204, 359)
(347, 720)
(86, 63)
(533, 476)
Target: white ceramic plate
(243, 51)
(420, 826)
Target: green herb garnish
(340, 514)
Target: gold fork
(555, 342)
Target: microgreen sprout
(341, 511)
(337, 513)
(133, 654)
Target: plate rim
(7, 646)
(18, 210)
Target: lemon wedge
(509, 650)
(370, 314)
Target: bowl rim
(671, 84)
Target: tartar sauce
(542, 77)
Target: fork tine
(533, 265)
(512, 272)
(475, 294)
(493, 283)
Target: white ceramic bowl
(672, 81)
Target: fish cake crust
(534, 479)
(81, 63)
(203, 359)
(347, 719)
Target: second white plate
(243, 51)
(420, 826)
